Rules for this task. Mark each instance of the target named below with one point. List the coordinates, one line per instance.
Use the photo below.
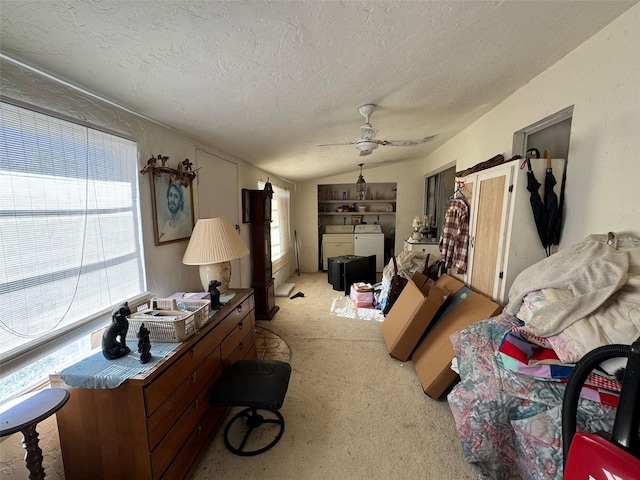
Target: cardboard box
(432, 358)
(411, 315)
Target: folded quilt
(519, 354)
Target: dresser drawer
(170, 445)
(237, 314)
(157, 392)
(246, 349)
(194, 445)
(236, 335)
(164, 417)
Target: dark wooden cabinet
(257, 209)
(158, 424)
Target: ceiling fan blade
(406, 143)
(334, 144)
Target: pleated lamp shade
(214, 242)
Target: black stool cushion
(252, 383)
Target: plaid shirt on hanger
(454, 241)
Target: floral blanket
(508, 423)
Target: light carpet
(351, 411)
(343, 306)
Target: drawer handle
(198, 430)
(192, 351)
(193, 377)
(241, 345)
(239, 308)
(240, 326)
(195, 404)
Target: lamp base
(216, 271)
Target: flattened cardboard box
(432, 358)
(411, 315)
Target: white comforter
(593, 290)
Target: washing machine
(369, 240)
(337, 240)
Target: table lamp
(213, 244)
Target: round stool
(257, 385)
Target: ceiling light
(361, 185)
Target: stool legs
(253, 420)
(33, 457)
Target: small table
(432, 248)
(24, 415)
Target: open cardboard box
(432, 358)
(413, 312)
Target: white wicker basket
(163, 325)
(198, 306)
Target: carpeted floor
(351, 411)
(271, 346)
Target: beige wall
(601, 78)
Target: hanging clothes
(454, 241)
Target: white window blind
(69, 230)
(281, 244)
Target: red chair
(602, 456)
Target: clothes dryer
(369, 240)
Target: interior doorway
(552, 132)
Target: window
(281, 245)
(70, 239)
(438, 187)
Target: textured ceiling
(266, 82)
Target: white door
(489, 207)
(218, 195)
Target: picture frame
(356, 219)
(171, 222)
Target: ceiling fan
(368, 142)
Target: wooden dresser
(158, 424)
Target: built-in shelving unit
(372, 207)
(338, 204)
(341, 200)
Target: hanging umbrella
(554, 217)
(540, 214)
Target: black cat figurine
(114, 343)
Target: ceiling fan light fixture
(366, 145)
(361, 185)
(367, 132)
